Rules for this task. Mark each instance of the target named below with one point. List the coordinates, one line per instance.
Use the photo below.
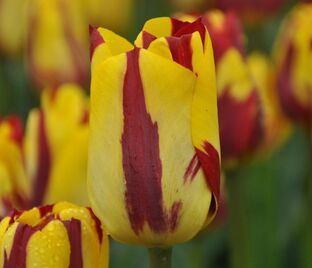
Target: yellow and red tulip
(293, 63)
(14, 190)
(154, 159)
(57, 42)
(61, 235)
(276, 126)
(56, 144)
(11, 32)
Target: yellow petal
(105, 43)
(49, 247)
(68, 178)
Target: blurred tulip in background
(251, 11)
(116, 15)
(14, 189)
(12, 26)
(276, 126)
(56, 143)
(57, 42)
(293, 60)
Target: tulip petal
(191, 47)
(105, 43)
(70, 167)
(157, 27)
(205, 128)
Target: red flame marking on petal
(96, 39)
(40, 181)
(147, 39)
(210, 163)
(181, 50)
(141, 159)
(73, 227)
(191, 169)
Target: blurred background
(264, 220)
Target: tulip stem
(307, 220)
(160, 257)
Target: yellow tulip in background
(56, 143)
(57, 42)
(293, 60)
(12, 31)
(276, 126)
(14, 188)
(61, 235)
(116, 15)
(154, 157)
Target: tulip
(14, 191)
(11, 32)
(276, 126)
(56, 144)
(61, 235)
(57, 41)
(293, 63)
(154, 154)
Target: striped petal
(190, 46)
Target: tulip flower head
(154, 153)
(14, 191)
(56, 146)
(293, 60)
(61, 235)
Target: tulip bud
(154, 165)
(276, 126)
(14, 191)
(11, 32)
(293, 60)
(57, 41)
(56, 146)
(61, 235)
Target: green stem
(307, 222)
(252, 216)
(160, 257)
